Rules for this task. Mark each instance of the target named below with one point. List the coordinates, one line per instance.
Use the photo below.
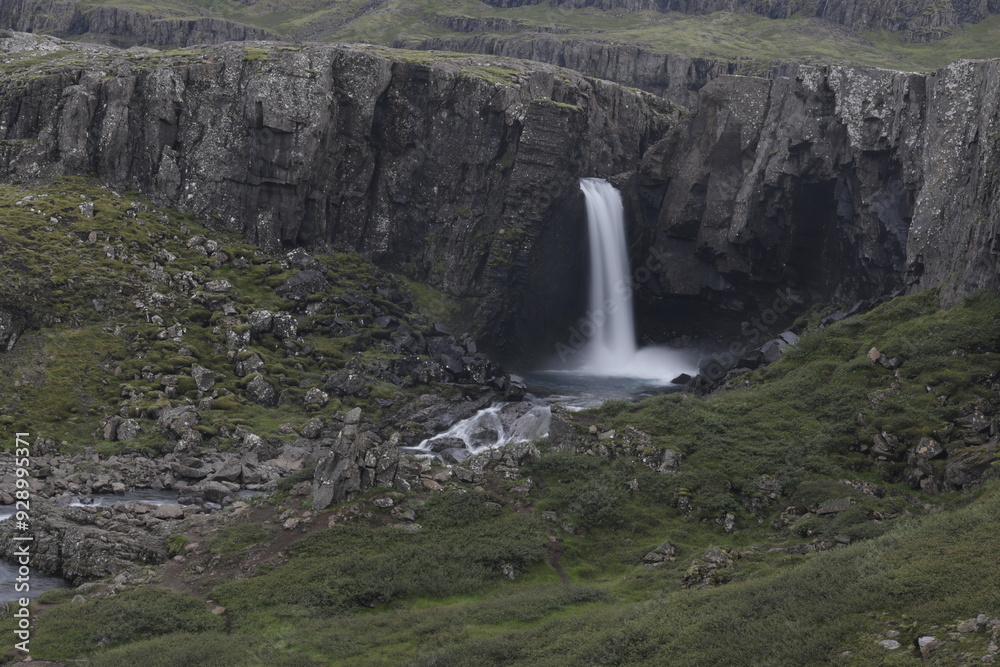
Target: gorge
(835, 181)
(339, 353)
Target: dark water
(578, 389)
(148, 496)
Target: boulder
(337, 479)
(261, 391)
(283, 325)
(128, 430)
(316, 398)
(177, 421)
(260, 321)
(666, 552)
(302, 284)
(204, 378)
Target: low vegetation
(562, 575)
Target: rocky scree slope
(143, 351)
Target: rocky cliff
(121, 26)
(839, 182)
(460, 171)
(920, 21)
(676, 77)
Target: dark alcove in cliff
(556, 280)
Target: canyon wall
(121, 26)
(675, 77)
(841, 183)
(461, 172)
(919, 20)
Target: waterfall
(611, 348)
(612, 343)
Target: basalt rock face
(840, 183)
(121, 26)
(462, 173)
(920, 21)
(675, 77)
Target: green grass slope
(720, 35)
(793, 583)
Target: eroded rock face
(121, 26)
(461, 172)
(80, 544)
(839, 182)
(920, 21)
(675, 77)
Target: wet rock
(80, 544)
(514, 387)
(213, 492)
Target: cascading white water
(611, 349)
(498, 425)
(612, 344)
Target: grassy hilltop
(723, 35)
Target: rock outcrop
(83, 543)
(920, 21)
(121, 26)
(840, 183)
(460, 171)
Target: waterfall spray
(612, 345)
(611, 349)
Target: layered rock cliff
(676, 77)
(840, 182)
(459, 171)
(121, 26)
(920, 21)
